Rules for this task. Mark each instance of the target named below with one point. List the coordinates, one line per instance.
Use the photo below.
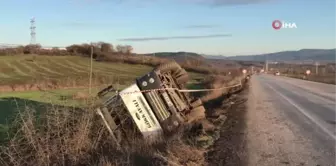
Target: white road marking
(304, 112)
(313, 98)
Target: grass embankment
(74, 136)
(28, 69)
(65, 70)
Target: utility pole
(316, 67)
(266, 63)
(91, 57)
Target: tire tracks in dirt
(33, 71)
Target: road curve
(309, 106)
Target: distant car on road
(277, 73)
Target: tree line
(74, 49)
(103, 51)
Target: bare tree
(32, 48)
(119, 48)
(128, 49)
(106, 47)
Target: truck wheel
(171, 66)
(180, 73)
(196, 103)
(207, 126)
(196, 114)
(182, 79)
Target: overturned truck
(152, 107)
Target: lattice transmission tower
(32, 31)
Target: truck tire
(207, 126)
(182, 79)
(171, 66)
(196, 114)
(196, 103)
(180, 75)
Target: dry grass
(58, 135)
(325, 73)
(217, 81)
(73, 136)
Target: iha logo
(277, 25)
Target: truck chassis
(152, 107)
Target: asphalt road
(308, 105)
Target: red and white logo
(277, 25)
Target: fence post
(90, 81)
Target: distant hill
(300, 55)
(182, 57)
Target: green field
(28, 69)
(31, 69)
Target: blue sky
(64, 22)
